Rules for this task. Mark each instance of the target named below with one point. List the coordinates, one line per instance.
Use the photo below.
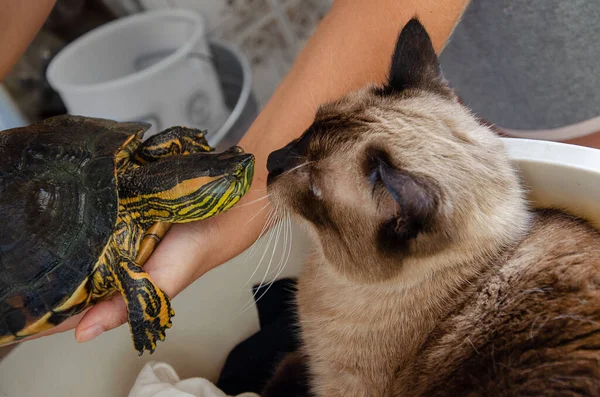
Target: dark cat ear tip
(414, 23)
(414, 28)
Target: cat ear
(415, 63)
(413, 203)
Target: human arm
(20, 21)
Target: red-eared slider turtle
(84, 201)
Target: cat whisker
(268, 223)
(257, 214)
(253, 201)
(257, 190)
(290, 243)
(297, 168)
(287, 245)
(276, 233)
(282, 266)
(472, 345)
(279, 229)
(316, 106)
(274, 271)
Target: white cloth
(159, 379)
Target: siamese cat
(433, 276)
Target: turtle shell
(58, 209)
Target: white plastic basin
(208, 323)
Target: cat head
(401, 171)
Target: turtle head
(224, 179)
(234, 169)
(185, 188)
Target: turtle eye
(375, 179)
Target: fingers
(171, 266)
(186, 252)
(174, 263)
(102, 317)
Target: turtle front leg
(172, 141)
(152, 237)
(149, 308)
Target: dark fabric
(527, 64)
(252, 363)
(290, 379)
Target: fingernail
(89, 333)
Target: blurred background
(251, 43)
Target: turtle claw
(149, 341)
(148, 332)
(148, 307)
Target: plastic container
(153, 66)
(235, 77)
(559, 175)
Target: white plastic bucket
(153, 66)
(235, 76)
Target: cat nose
(287, 157)
(280, 160)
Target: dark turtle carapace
(84, 202)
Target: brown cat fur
(432, 276)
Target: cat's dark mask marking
(288, 157)
(326, 127)
(416, 198)
(415, 64)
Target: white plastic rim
(559, 175)
(539, 151)
(245, 93)
(101, 33)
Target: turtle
(83, 203)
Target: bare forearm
(352, 47)
(20, 20)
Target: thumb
(104, 316)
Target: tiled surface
(210, 320)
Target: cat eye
(375, 179)
(377, 165)
(375, 175)
(313, 188)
